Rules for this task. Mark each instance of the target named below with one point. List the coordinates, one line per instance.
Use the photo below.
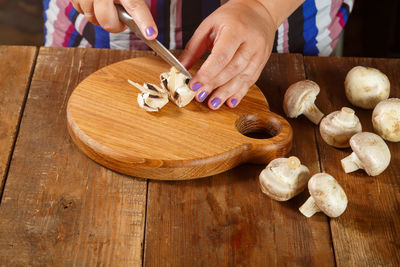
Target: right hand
(104, 13)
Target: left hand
(104, 13)
(240, 35)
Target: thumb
(141, 14)
(196, 46)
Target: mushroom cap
(328, 195)
(282, 179)
(339, 126)
(372, 152)
(366, 87)
(386, 119)
(299, 96)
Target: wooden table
(60, 208)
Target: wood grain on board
(367, 234)
(106, 122)
(226, 220)
(16, 63)
(59, 207)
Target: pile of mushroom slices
(365, 87)
(174, 87)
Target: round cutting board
(107, 124)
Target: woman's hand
(104, 13)
(240, 35)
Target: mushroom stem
(309, 208)
(293, 162)
(346, 115)
(313, 113)
(351, 163)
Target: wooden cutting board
(106, 123)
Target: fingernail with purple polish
(215, 102)
(202, 96)
(196, 86)
(150, 31)
(234, 102)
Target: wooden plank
(16, 64)
(226, 220)
(367, 234)
(21, 22)
(59, 207)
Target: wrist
(260, 7)
(280, 10)
(273, 15)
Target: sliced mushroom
(370, 153)
(326, 196)
(152, 98)
(366, 87)
(149, 88)
(299, 99)
(284, 178)
(177, 84)
(141, 101)
(386, 119)
(339, 126)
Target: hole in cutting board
(255, 127)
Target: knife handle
(162, 51)
(128, 20)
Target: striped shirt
(313, 29)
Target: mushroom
(326, 196)
(338, 127)
(152, 98)
(370, 153)
(386, 119)
(366, 87)
(284, 178)
(176, 83)
(299, 99)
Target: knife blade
(157, 47)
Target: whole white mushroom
(326, 196)
(284, 178)
(386, 119)
(370, 153)
(339, 126)
(366, 87)
(299, 99)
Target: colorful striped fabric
(313, 29)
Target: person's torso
(313, 29)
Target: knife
(163, 52)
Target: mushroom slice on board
(177, 85)
(326, 196)
(152, 98)
(149, 88)
(339, 126)
(284, 178)
(386, 119)
(370, 153)
(299, 99)
(366, 87)
(151, 102)
(141, 101)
